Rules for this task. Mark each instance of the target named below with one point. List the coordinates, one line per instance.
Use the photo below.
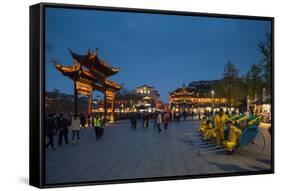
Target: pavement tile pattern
(125, 153)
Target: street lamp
(248, 103)
(198, 105)
(213, 95)
(263, 95)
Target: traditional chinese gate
(90, 73)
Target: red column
(104, 106)
(90, 104)
(75, 99)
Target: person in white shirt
(75, 127)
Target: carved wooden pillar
(104, 105)
(75, 99)
(90, 104)
(112, 108)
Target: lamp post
(198, 105)
(248, 104)
(255, 106)
(213, 95)
(263, 95)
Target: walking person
(97, 125)
(155, 119)
(56, 124)
(75, 126)
(135, 118)
(133, 121)
(178, 116)
(89, 118)
(102, 125)
(212, 114)
(166, 120)
(50, 128)
(159, 121)
(146, 120)
(82, 120)
(184, 115)
(63, 129)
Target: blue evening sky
(163, 51)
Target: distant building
(197, 95)
(143, 99)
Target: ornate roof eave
(75, 71)
(183, 103)
(183, 91)
(93, 62)
(151, 87)
(66, 69)
(112, 85)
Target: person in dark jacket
(82, 120)
(102, 125)
(133, 121)
(56, 122)
(50, 128)
(165, 120)
(63, 129)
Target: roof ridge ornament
(92, 54)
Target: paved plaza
(127, 153)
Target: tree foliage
(254, 82)
(231, 86)
(265, 48)
(236, 87)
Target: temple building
(88, 73)
(197, 95)
(143, 99)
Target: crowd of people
(158, 118)
(161, 119)
(221, 126)
(226, 128)
(145, 117)
(58, 126)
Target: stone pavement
(127, 153)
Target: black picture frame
(37, 88)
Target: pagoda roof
(151, 87)
(183, 91)
(76, 72)
(92, 62)
(112, 85)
